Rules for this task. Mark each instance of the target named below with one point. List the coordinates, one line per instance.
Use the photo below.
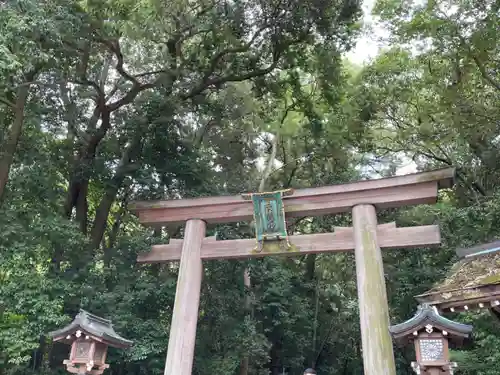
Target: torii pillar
(366, 238)
(372, 295)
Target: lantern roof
(473, 282)
(428, 317)
(91, 325)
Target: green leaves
(154, 100)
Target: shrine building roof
(473, 282)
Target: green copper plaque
(269, 216)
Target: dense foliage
(106, 102)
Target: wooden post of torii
(366, 237)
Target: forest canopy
(107, 102)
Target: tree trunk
(314, 296)
(102, 213)
(115, 229)
(111, 192)
(10, 146)
(83, 165)
(82, 170)
(245, 362)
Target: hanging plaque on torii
(269, 218)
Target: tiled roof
(92, 325)
(428, 315)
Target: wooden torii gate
(366, 238)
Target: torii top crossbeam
(418, 188)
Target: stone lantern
(431, 334)
(89, 337)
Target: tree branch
(216, 81)
(230, 78)
(270, 160)
(274, 148)
(145, 74)
(104, 73)
(460, 175)
(130, 95)
(114, 46)
(7, 102)
(487, 77)
(219, 55)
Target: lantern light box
(89, 337)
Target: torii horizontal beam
(341, 240)
(417, 188)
